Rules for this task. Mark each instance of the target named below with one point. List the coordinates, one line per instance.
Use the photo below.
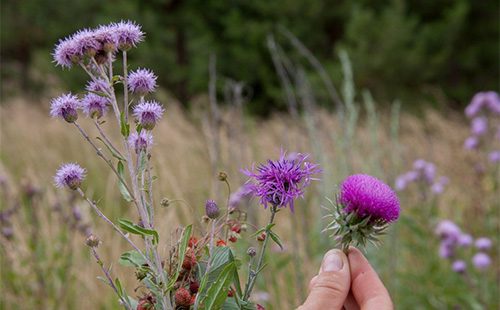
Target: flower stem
(125, 86)
(252, 274)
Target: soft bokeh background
(363, 86)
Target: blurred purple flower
(368, 196)
(141, 142)
(465, 240)
(492, 102)
(483, 243)
(419, 164)
(241, 193)
(401, 183)
(70, 175)
(459, 266)
(471, 143)
(489, 100)
(447, 248)
(94, 105)
(142, 81)
(98, 85)
(128, 34)
(438, 187)
(429, 172)
(412, 176)
(65, 106)
(479, 125)
(280, 182)
(448, 230)
(481, 261)
(148, 113)
(494, 157)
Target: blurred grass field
(382, 143)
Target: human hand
(346, 281)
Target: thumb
(330, 287)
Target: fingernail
(332, 262)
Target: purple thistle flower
(86, 42)
(446, 229)
(481, 261)
(94, 105)
(65, 106)
(66, 53)
(211, 209)
(483, 244)
(128, 34)
(412, 176)
(447, 248)
(429, 172)
(459, 266)
(142, 81)
(105, 35)
(465, 240)
(280, 182)
(141, 142)
(471, 143)
(368, 196)
(98, 85)
(148, 113)
(492, 102)
(494, 157)
(479, 125)
(438, 187)
(69, 175)
(419, 164)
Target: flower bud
(222, 176)
(165, 202)
(211, 209)
(92, 241)
(251, 251)
(261, 237)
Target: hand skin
(347, 282)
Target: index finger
(367, 288)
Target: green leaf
(276, 239)
(186, 234)
(132, 259)
(217, 292)
(121, 186)
(135, 229)
(124, 126)
(238, 304)
(116, 78)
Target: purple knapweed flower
(481, 261)
(438, 187)
(142, 81)
(471, 143)
(70, 175)
(141, 142)
(86, 42)
(483, 243)
(66, 53)
(98, 86)
(106, 36)
(368, 196)
(279, 183)
(479, 126)
(459, 266)
(446, 229)
(494, 157)
(94, 105)
(465, 240)
(148, 113)
(65, 106)
(211, 209)
(128, 34)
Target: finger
(330, 287)
(367, 288)
(312, 282)
(350, 302)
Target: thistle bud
(222, 176)
(251, 251)
(211, 209)
(165, 202)
(92, 241)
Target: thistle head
(65, 107)
(141, 142)
(128, 34)
(142, 81)
(211, 209)
(94, 106)
(66, 53)
(148, 113)
(69, 175)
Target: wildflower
(494, 157)
(465, 240)
(70, 175)
(241, 193)
(94, 105)
(65, 106)
(148, 113)
(479, 126)
(140, 141)
(142, 81)
(222, 176)
(86, 43)
(489, 100)
(182, 297)
(438, 187)
(92, 241)
(471, 143)
(459, 266)
(446, 229)
(106, 37)
(7, 232)
(419, 164)
(98, 86)
(483, 244)
(66, 53)
(368, 196)
(128, 34)
(481, 261)
(211, 209)
(280, 182)
(401, 183)
(447, 248)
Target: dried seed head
(165, 202)
(251, 251)
(92, 241)
(222, 176)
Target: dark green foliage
(401, 48)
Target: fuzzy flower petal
(148, 113)
(141, 142)
(69, 175)
(98, 85)
(66, 53)
(280, 182)
(128, 34)
(368, 196)
(94, 105)
(142, 81)
(65, 106)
